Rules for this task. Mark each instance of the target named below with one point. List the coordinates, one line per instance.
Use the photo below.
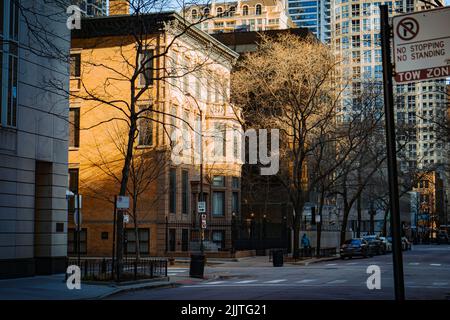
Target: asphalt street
(426, 270)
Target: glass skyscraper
(314, 15)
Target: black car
(355, 247)
(442, 237)
(376, 245)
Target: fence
(102, 269)
(308, 252)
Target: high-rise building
(314, 15)
(33, 140)
(92, 8)
(356, 40)
(243, 15)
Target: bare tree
(288, 84)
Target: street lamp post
(198, 261)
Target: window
(72, 241)
(172, 190)
(258, 9)
(184, 239)
(172, 239)
(235, 183)
(73, 186)
(186, 134)
(104, 235)
(74, 127)
(219, 11)
(9, 63)
(232, 11)
(185, 75)
(198, 86)
(146, 67)
(218, 237)
(245, 10)
(130, 240)
(218, 205)
(145, 127)
(219, 140)
(194, 14)
(236, 144)
(184, 191)
(235, 202)
(206, 11)
(218, 181)
(217, 91)
(75, 65)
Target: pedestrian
(306, 244)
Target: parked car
(387, 243)
(355, 247)
(375, 244)
(442, 237)
(406, 245)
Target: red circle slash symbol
(407, 28)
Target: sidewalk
(54, 287)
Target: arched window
(219, 11)
(245, 10)
(206, 11)
(194, 14)
(232, 11)
(258, 9)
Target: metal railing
(102, 269)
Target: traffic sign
(126, 218)
(122, 202)
(203, 224)
(204, 216)
(422, 45)
(201, 206)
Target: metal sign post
(78, 224)
(391, 155)
(114, 238)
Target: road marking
(332, 264)
(414, 263)
(215, 282)
(435, 264)
(438, 284)
(275, 281)
(246, 281)
(306, 280)
(337, 281)
(351, 263)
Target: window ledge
(145, 147)
(74, 148)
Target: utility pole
(391, 154)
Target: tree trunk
(319, 224)
(123, 190)
(358, 208)
(344, 223)
(295, 253)
(385, 222)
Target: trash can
(197, 266)
(277, 258)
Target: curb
(143, 287)
(306, 263)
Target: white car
(387, 244)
